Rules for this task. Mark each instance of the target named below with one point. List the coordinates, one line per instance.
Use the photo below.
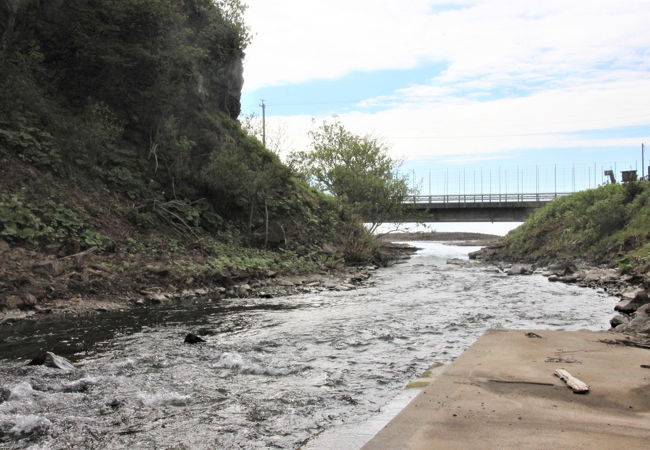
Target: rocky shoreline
(632, 311)
(39, 296)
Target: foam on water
(21, 426)
(20, 392)
(163, 399)
(235, 361)
(79, 385)
(274, 372)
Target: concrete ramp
(501, 393)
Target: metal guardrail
(483, 198)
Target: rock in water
(193, 339)
(618, 320)
(520, 269)
(49, 359)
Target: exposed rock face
(49, 359)
(224, 95)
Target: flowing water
(274, 372)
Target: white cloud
(542, 120)
(570, 66)
(302, 40)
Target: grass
(610, 224)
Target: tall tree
(356, 169)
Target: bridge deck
(484, 198)
(475, 207)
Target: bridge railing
(485, 198)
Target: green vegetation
(119, 130)
(46, 223)
(356, 170)
(609, 225)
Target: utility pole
(263, 122)
(643, 161)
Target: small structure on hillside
(628, 176)
(610, 174)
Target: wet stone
(618, 320)
(520, 269)
(49, 359)
(193, 339)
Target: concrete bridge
(474, 207)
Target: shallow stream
(274, 372)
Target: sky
(516, 95)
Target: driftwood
(577, 386)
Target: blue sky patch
(526, 171)
(326, 97)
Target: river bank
(273, 372)
(632, 312)
(36, 284)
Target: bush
(47, 222)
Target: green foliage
(18, 221)
(95, 134)
(605, 224)
(48, 222)
(31, 144)
(143, 220)
(227, 257)
(139, 98)
(355, 169)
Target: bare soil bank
(34, 284)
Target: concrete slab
(501, 393)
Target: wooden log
(577, 386)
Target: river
(274, 372)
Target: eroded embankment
(35, 284)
